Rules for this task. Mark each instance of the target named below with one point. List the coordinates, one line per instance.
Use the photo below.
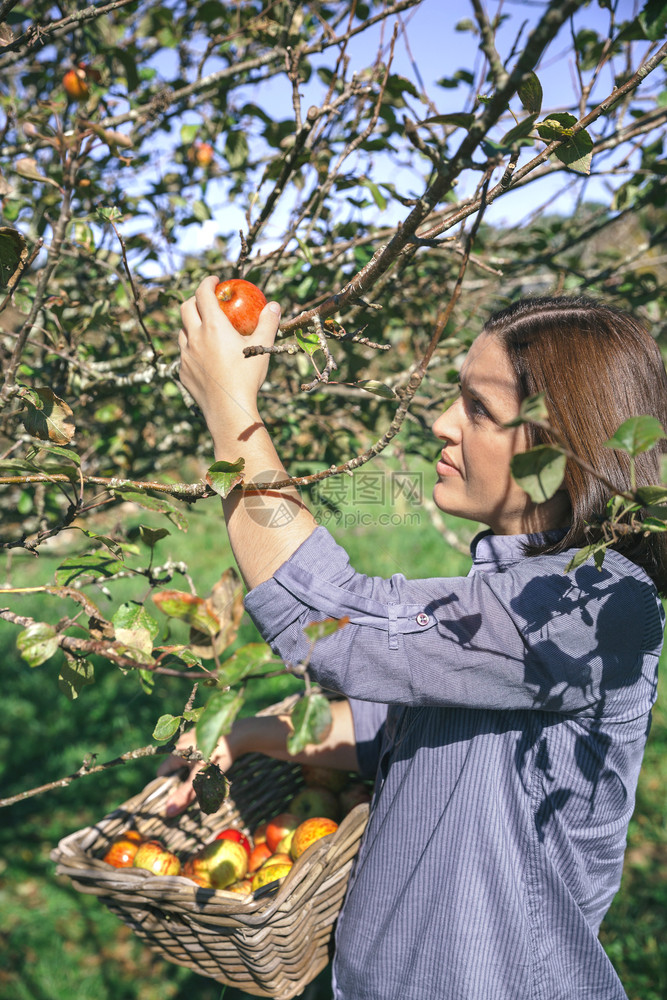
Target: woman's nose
(446, 425)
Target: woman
(504, 714)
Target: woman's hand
(214, 370)
(184, 794)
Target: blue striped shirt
(504, 717)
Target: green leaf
(236, 149)
(224, 476)
(530, 93)
(557, 126)
(216, 720)
(311, 721)
(188, 134)
(48, 417)
(596, 551)
(37, 643)
(189, 608)
(151, 536)
(650, 495)
(578, 152)
(133, 615)
(93, 565)
(151, 503)
(653, 20)
(319, 630)
(519, 132)
(111, 214)
(75, 674)
(378, 197)
(539, 471)
(377, 388)
(13, 251)
(52, 449)
(308, 342)
(249, 659)
(636, 435)
(533, 409)
(166, 727)
(461, 119)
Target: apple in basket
(222, 862)
(123, 848)
(154, 857)
(258, 856)
(279, 827)
(309, 831)
(314, 801)
(231, 833)
(269, 873)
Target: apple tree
(304, 138)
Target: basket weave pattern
(270, 944)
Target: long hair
(596, 366)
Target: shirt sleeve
(530, 637)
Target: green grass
(56, 943)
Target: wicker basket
(271, 943)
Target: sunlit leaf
(196, 611)
(377, 388)
(37, 643)
(249, 659)
(224, 476)
(216, 720)
(319, 630)
(94, 564)
(539, 471)
(636, 435)
(47, 417)
(166, 727)
(75, 674)
(311, 722)
(308, 342)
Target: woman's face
(474, 479)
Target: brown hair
(597, 366)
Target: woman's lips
(445, 468)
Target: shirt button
(422, 619)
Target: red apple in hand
(154, 857)
(241, 302)
(239, 838)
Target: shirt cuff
(271, 606)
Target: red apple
(74, 82)
(309, 831)
(123, 848)
(315, 802)
(279, 827)
(221, 861)
(154, 857)
(231, 833)
(258, 856)
(241, 302)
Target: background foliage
(367, 204)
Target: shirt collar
(502, 550)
